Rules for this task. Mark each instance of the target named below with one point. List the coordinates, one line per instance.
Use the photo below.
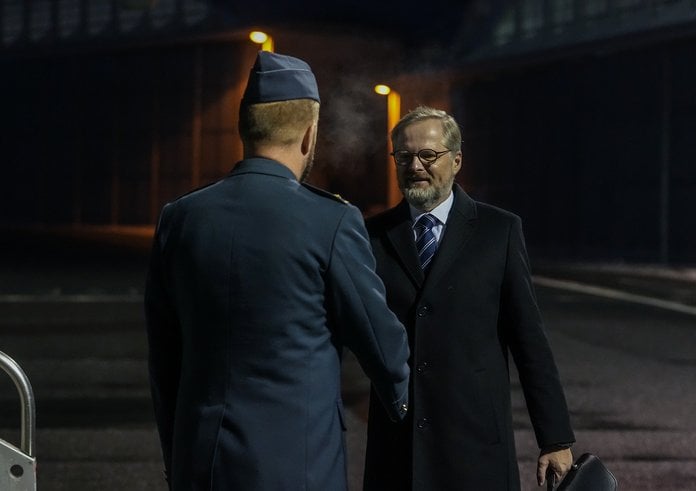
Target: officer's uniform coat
(476, 304)
(255, 283)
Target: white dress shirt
(440, 212)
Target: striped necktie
(426, 243)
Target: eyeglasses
(426, 156)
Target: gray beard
(426, 199)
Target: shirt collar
(440, 212)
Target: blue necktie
(426, 243)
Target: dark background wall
(582, 123)
(108, 137)
(596, 152)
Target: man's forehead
(429, 129)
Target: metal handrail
(26, 395)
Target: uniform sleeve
(358, 309)
(523, 327)
(164, 340)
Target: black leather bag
(588, 473)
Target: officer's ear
(309, 139)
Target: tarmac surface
(71, 315)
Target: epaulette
(195, 190)
(326, 194)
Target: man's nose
(415, 163)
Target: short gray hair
(451, 133)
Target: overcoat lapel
(401, 237)
(461, 224)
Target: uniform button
(422, 367)
(423, 311)
(422, 422)
(404, 408)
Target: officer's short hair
(276, 123)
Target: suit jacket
(475, 306)
(255, 284)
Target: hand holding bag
(588, 473)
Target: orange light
(258, 37)
(382, 89)
(393, 116)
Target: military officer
(255, 284)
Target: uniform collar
(259, 165)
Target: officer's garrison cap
(276, 77)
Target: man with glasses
(457, 275)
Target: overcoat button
(422, 422)
(422, 367)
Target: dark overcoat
(255, 284)
(476, 305)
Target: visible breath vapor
(349, 126)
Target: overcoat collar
(461, 223)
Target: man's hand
(558, 462)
